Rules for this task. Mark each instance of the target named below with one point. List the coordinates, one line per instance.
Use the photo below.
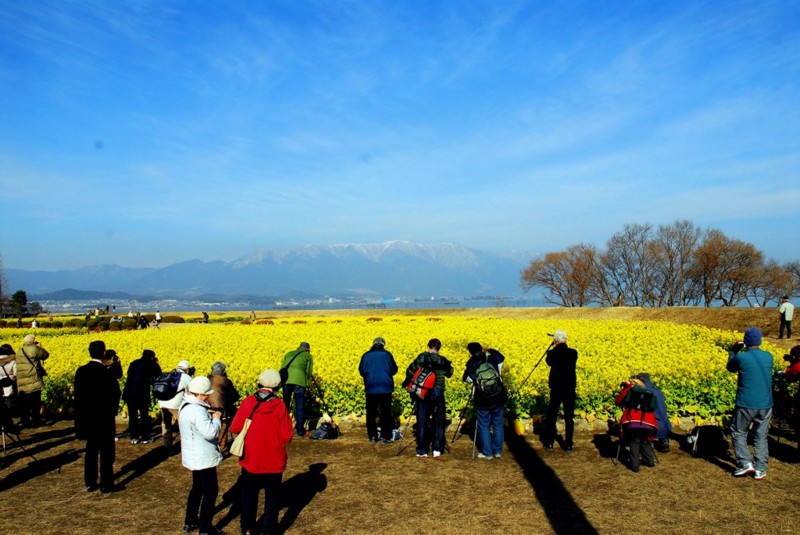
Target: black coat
(96, 401)
(138, 385)
(562, 361)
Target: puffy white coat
(199, 432)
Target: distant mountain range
(390, 269)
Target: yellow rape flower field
(687, 362)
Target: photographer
(8, 388)
(433, 407)
(792, 371)
(141, 374)
(638, 424)
(30, 381)
(562, 361)
(169, 408)
(753, 403)
(223, 399)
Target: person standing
(753, 404)
(300, 365)
(169, 408)
(264, 461)
(223, 399)
(562, 361)
(8, 388)
(378, 369)
(141, 374)
(96, 406)
(30, 381)
(158, 319)
(786, 311)
(489, 397)
(431, 412)
(200, 454)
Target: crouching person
(638, 424)
(264, 458)
(200, 454)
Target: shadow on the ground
(564, 514)
(296, 493)
(39, 467)
(142, 464)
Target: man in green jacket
(299, 363)
(30, 381)
(433, 407)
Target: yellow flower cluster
(687, 362)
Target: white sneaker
(760, 475)
(498, 455)
(437, 454)
(747, 469)
(482, 456)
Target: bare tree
(771, 282)
(725, 269)
(793, 268)
(570, 277)
(672, 250)
(628, 266)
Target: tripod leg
(401, 447)
(474, 439)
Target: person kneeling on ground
(264, 459)
(489, 397)
(638, 424)
(662, 419)
(200, 454)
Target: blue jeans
(431, 432)
(491, 443)
(742, 418)
(299, 405)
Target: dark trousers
(251, 486)
(202, 497)
(299, 405)
(641, 447)
(99, 445)
(139, 424)
(379, 405)
(30, 407)
(557, 399)
(785, 325)
(432, 409)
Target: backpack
(423, 380)
(165, 386)
(641, 399)
(488, 381)
(708, 441)
(326, 431)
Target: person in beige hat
(169, 408)
(265, 451)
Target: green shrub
(129, 324)
(173, 319)
(75, 322)
(2, 323)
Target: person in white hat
(200, 454)
(169, 408)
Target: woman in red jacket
(638, 423)
(264, 459)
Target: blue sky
(146, 133)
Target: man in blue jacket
(753, 403)
(378, 368)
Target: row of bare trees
(672, 265)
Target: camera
(788, 358)
(191, 370)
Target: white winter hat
(559, 336)
(200, 385)
(269, 378)
(184, 365)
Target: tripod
(13, 438)
(461, 415)
(405, 429)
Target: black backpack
(641, 399)
(166, 385)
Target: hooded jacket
(635, 417)
(199, 431)
(300, 369)
(269, 433)
(664, 425)
(27, 379)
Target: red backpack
(423, 380)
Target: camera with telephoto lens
(191, 370)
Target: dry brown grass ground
(348, 485)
